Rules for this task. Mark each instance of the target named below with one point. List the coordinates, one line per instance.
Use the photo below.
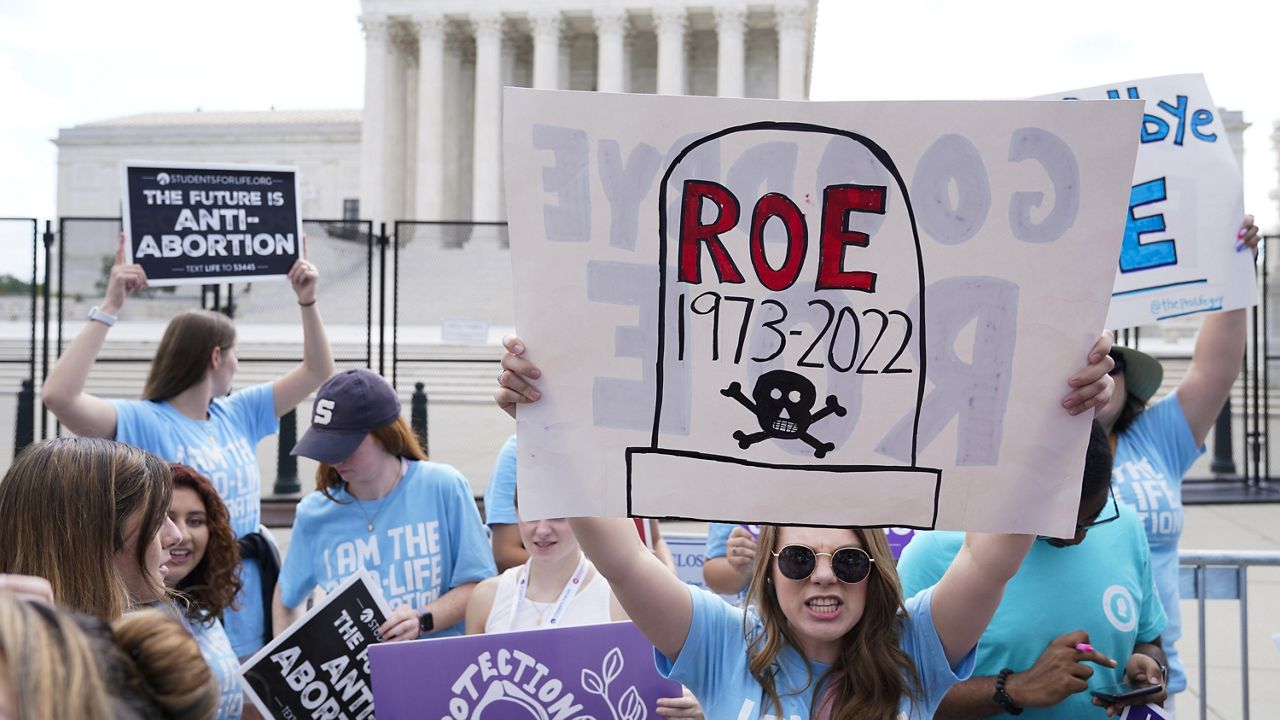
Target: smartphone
(1124, 691)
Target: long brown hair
(396, 438)
(211, 587)
(872, 673)
(182, 358)
(51, 668)
(64, 506)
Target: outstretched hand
(1247, 236)
(515, 382)
(125, 280)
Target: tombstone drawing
(790, 264)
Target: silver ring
(500, 376)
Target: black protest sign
(319, 667)
(203, 223)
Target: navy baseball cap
(349, 406)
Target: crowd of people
(136, 577)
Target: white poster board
(1179, 257)
(725, 298)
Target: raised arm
(63, 392)
(317, 357)
(652, 596)
(970, 591)
(1216, 360)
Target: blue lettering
(1199, 119)
(1134, 254)
(1179, 113)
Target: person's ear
(215, 357)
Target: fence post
(24, 432)
(1224, 462)
(286, 464)
(418, 414)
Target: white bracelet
(98, 314)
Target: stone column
(731, 27)
(487, 143)
(611, 59)
(429, 193)
(546, 48)
(670, 22)
(792, 20)
(373, 121)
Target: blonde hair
(51, 668)
(101, 484)
(167, 668)
(872, 673)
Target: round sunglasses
(850, 565)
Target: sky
(65, 62)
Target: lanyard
(571, 587)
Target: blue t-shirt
(500, 496)
(1152, 455)
(718, 539)
(1102, 586)
(713, 664)
(224, 665)
(223, 448)
(427, 540)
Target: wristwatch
(106, 318)
(1001, 697)
(426, 623)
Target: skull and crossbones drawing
(784, 408)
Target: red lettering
(837, 202)
(693, 232)
(774, 205)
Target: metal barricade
(1221, 575)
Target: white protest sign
(1179, 255)
(818, 313)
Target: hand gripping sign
(825, 276)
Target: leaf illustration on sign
(629, 706)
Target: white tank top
(589, 606)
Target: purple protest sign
(587, 671)
(898, 539)
(1144, 712)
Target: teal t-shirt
(223, 448)
(713, 664)
(1102, 586)
(427, 540)
(1152, 455)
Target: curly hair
(872, 673)
(211, 587)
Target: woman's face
(548, 540)
(145, 583)
(224, 370)
(188, 513)
(820, 609)
(365, 464)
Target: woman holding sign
(828, 636)
(1155, 446)
(188, 413)
(381, 506)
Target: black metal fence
(437, 310)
